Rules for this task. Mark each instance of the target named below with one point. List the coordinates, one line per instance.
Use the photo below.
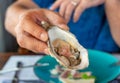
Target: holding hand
(67, 7)
(30, 34)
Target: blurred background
(10, 60)
(7, 42)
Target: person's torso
(92, 29)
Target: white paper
(25, 74)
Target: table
(9, 60)
(5, 56)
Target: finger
(56, 5)
(29, 42)
(61, 23)
(70, 8)
(63, 7)
(78, 11)
(57, 20)
(35, 30)
(95, 3)
(63, 26)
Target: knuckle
(63, 5)
(25, 16)
(22, 17)
(37, 33)
(61, 10)
(21, 42)
(35, 47)
(16, 29)
(67, 14)
(67, 17)
(38, 47)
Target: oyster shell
(64, 46)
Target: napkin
(25, 74)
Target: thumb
(63, 26)
(55, 19)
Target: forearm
(14, 11)
(113, 15)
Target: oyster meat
(64, 46)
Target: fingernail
(46, 51)
(43, 37)
(63, 26)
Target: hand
(30, 34)
(67, 7)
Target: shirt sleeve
(44, 3)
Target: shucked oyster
(65, 48)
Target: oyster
(64, 47)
